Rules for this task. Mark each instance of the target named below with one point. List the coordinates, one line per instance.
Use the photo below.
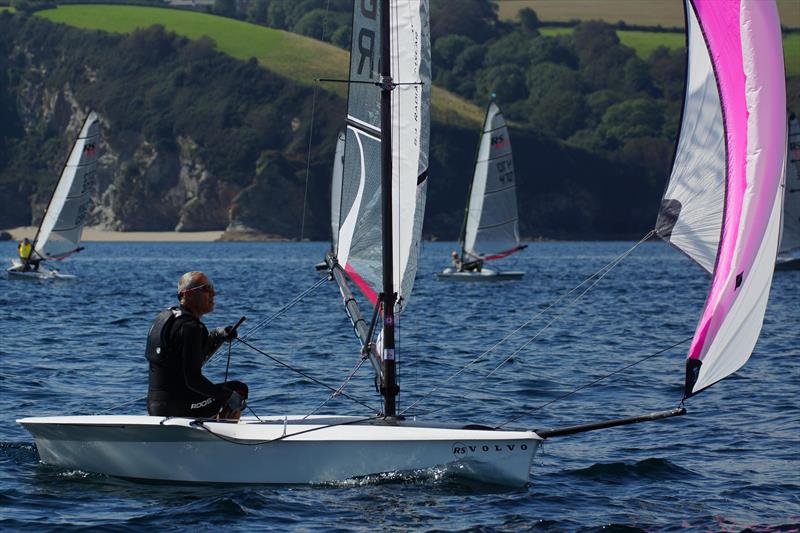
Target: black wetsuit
(178, 345)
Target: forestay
(60, 231)
(358, 238)
(491, 226)
(722, 205)
(790, 239)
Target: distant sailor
(25, 249)
(178, 345)
(456, 260)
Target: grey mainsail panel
(62, 226)
(790, 240)
(492, 225)
(691, 210)
(360, 244)
(364, 98)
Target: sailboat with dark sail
(59, 233)
(730, 160)
(491, 220)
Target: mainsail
(722, 206)
(60, 232)
(790, 240)
(491, 228)
(358, 232)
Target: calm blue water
(732, 463)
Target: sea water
(76, 347)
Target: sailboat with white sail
(491, 220)
(730, 159)
(59, 234)
(789, 253)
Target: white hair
(189, 280)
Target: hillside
(195, 140)
(293, 56)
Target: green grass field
(667, 13)
(290, 55)
(9, 9)
(644, 42)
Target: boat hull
(485, 274)
(319, 450)
(15, 271)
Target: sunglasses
(207, 287)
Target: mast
(389, 386)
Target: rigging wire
(308, 160)
(339, 391)
(308, 376)
(559, 315)
(587, 385)
(311, 132)
(602, 272)
(283, 309)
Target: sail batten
(60, 232)
(722, 205)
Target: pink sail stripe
(746, 51)
(363, 285)
(720, 21)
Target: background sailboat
(59, 234)
(789, 253)
(491, 221)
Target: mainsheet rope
(602, 272)
(310, 377)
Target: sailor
(25, 248)
(456, 260)
(476, 265)
(178, 345)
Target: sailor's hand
(235, 402)
(227, 333)
(230, 333)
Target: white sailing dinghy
(382, 203)
(789, 253)
(730, 159)
(59, 234)
(491, 221)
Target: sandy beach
(100, 235)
